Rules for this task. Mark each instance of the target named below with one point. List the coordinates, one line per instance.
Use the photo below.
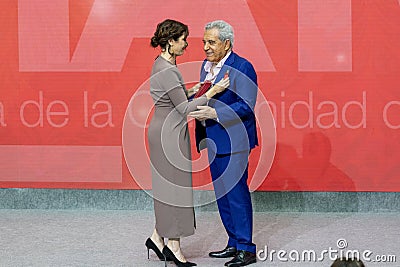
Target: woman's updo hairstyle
(167, 30)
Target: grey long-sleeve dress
(170, 152)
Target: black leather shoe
(225, 253)
(242, 258)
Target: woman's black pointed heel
(150, 245)
(169, 254)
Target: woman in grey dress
(169, 144)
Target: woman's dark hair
(167, 30)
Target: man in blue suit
(227, 127)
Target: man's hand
(204, 113)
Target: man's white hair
(224, 28)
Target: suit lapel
(203, 73)
(227, 65)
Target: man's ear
(227, 44)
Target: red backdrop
(328, 68)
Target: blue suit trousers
(229, 173)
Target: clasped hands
(203, 113)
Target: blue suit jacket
(235, 129)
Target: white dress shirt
(213, 72)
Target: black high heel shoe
(169, 254)
(150, 245)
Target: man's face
(215, 48)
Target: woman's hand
(221, 85)
(194, 89)
(218, 87)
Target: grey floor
(116, 238)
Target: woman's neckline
(167, 60)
